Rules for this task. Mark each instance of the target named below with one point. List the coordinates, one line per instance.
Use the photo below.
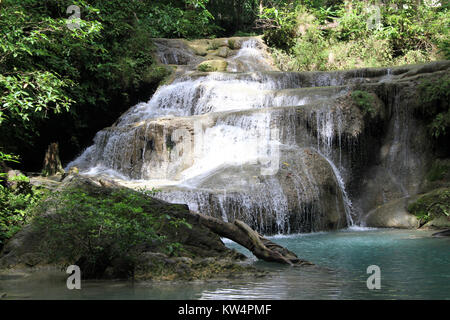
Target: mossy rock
(234, 43)
(157, 74)
(432, 206)
(392, 215)
(217, 43)
(437, 176)
(139, 223)
(160, 267)
(438, 223)
(223, 52)
(212, 66)
(367, 102)
(439, 171)
(199, 50)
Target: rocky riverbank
(180, 249)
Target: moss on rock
(213, 66)
(432, 206)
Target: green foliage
(282, 26)
(432, 205)
(167, 20)
(175, 249)
(96, 228)
(27, 87)
(234, 17)
(33, 93)
(438, 171)
(95, 71)
(4, 157)
(365, 102)
(148, 192)
(245, 34)
(204, 67)
(434, 97)
(17, 199)
(231, 44)
(331, 35)
(444, 47)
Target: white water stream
(233, 144)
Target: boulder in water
(393, 214)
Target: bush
(281, 24)
(96, 229)
(434, 106)
(315, 37)
(17, 199)
(364, 101)
(95, 72)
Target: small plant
(365, 102)
(148, 192)
(431, 205)
(174, 249)
(204, 67)
(434, 96)
(157, 74)
(232, 44)
(170, 144)
(214, 45)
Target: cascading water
(237, 145)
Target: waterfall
(347, 201)
(253, 143)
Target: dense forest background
(63, 84)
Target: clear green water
(413, 266)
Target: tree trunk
(241, 233)
(52, 163)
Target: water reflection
(413, 266)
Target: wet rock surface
(393, 214)
(283, 151)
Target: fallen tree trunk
(241, 233)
